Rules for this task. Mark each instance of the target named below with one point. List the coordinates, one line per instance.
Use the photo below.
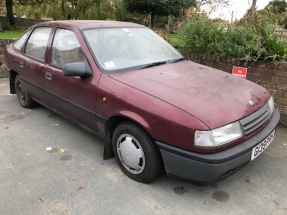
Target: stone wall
(3, 43)
(20, 23)
(271, 75)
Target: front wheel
(136, 153)
(23, 96)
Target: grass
(11, 34)
(176, 40)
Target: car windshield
(125, 49)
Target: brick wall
(271, 75)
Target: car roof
(86, 24)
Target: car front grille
(255, 120)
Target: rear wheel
(136, 153)
(23, 96)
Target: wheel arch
(110, 126)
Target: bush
(274, 44)
(248, 39)
(201, 34)
(276, 47)
(240, 41)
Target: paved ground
(73, 179)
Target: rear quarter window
(18, 45)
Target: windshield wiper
(154, 64)
(177, 60)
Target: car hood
(212, 96)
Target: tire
(142, 161)
(23, 96)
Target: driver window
(65, 48)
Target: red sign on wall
(239, 72)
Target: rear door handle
(21, 64)
(48, 76)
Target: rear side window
(66, 48)
(18, 45)
(37, 43)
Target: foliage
(142, 11)
(32, 2)
(277, 6)
(201, 34)
(275, 47)
(157, 7)
(240, 41)
(95, 10)
(79, 9)
(272, 13)
(274, 44)
(211, 2)
(248, 39)
(68, 9)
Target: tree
(1, 5)
(209, 2)
(277, 6)
(158, 7)
(10, 14)
(9, 7)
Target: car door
(31, 64)
(74, 97)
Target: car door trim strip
(89, 113)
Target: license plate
(257, 150)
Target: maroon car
(156, 111)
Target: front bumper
(206, 168)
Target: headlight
(218, 136)
(271, 105)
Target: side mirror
(77, 69)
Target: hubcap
(131, 154)
(21, 93)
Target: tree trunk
(10, 14)
(0, 25)
(63, 8)
(253, 6)
(152, 20)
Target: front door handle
(48, 76)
